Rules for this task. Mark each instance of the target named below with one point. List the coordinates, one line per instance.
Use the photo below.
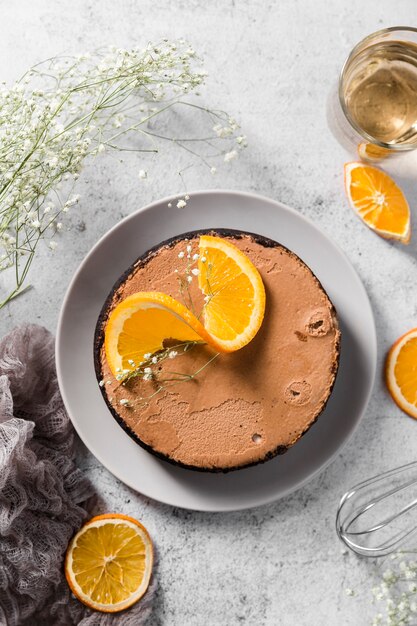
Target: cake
(244, 407)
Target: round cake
(239, 408)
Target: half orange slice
(378, 201)
(235, 293)
(401, 372)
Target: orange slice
(401, 372)
(235, 294)
(141, 323)
(234, 310)
(108, 563)
(378, 201)
(371, 152)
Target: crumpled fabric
(44, 497)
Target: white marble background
(271, 64)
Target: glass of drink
(376, 104)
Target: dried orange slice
(235, 293)
(371, 152)
(108, 564)
(401, 372)
(141, 323)
(378, 201)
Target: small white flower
(349, 592)
(154, 359)
(213, 170)
(147, 377)
(124, 402)
(181, 204)
(147, 370)
(195, 257)
(203, 259)
(169, 205)
(59, 226)
(131, 362)
(229, 156)
(189, 248)
(181, 254)
(52, 245)
(101, 383)
(143, 174)
(172, 354)
(186, 197)
(101, 148)
(189, 279)
(36, 224)
(147, 356)
(195, 271)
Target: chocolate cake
(246, 406)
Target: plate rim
(256, 197)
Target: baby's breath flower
(154, 359)
(213, 170)
(195, 257)
(181, 254)
(124, 402)
(56, 117)
(172, 354)
(195, 271)
(189, 279)
(229, 156)
(147, 356)
(53, 245)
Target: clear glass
(375, 108)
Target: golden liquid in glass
(381, 91)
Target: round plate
(116, 450)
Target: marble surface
(271, 64)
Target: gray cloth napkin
(44, 498)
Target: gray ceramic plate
(116, 450)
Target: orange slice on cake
(401, 372)
(109, 562)
(232, 315)
(378, 201)
(235, 293)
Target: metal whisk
(377, 516)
